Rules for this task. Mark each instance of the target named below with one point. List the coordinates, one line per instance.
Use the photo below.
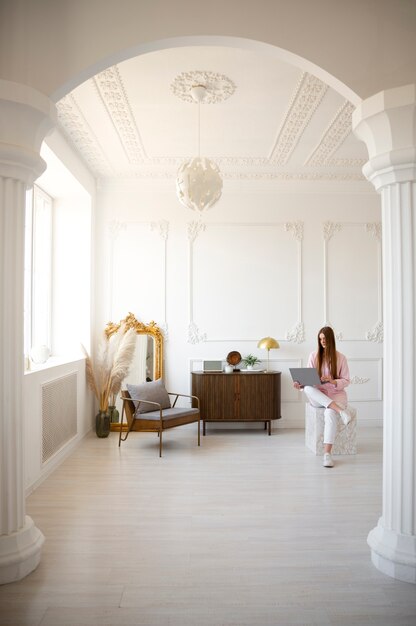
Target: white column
(26, 116)
(387, 124)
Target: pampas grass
(112, 364)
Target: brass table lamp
(268, 343)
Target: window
(38, 272)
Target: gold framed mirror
(147, 362)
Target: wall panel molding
(119, 234)
(330, 231)
(270, 277)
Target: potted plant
(250, 361)
(106, 374)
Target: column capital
(386, 122)
(30, 116)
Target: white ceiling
(280, 123)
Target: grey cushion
(154, 391)
(170, 414)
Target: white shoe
(346, 416)
(328, 462)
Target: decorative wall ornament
(297, 334)
(296, 228)
(112, 93)
(333, 137)
(305, 100)
(357, 380)
(374, 229)
(80, 134)
(339, 335)
(330, 228)
(194, 228)
(162, 227)
(219, 87)
(194, 336)
(377, 334)
(114, 228)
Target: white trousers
(319, 399)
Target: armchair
(148, 408)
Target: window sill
(53, 361)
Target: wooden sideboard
(238, 397)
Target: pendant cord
(199, 129)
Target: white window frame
(38, 271)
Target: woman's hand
(297, 385)
(328, 379)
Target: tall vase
(114, 414)
(102, 424)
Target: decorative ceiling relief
(78, 131)
(113, 95)
(219, 87)
(305, 100)
(333, 137)
(125, 123)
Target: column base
(20, 552)
(393, 554)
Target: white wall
(73, 189)
(259, 263)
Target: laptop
(305, 376)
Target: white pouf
(346, 439)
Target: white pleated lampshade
(199, 184)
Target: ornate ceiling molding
(218, 86)
(305, 100)
(113, 95)
(80, 134)
(151, 174)
(333, 137)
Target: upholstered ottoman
(346, 439)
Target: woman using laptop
(334, 374)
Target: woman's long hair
(329, 355)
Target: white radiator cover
(59, 414)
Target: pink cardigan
(335, 392)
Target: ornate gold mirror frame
(151, 329)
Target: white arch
(208, 40)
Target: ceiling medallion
(199, 180)
(218, 87)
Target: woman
(333, 371)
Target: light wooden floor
(248, 530)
